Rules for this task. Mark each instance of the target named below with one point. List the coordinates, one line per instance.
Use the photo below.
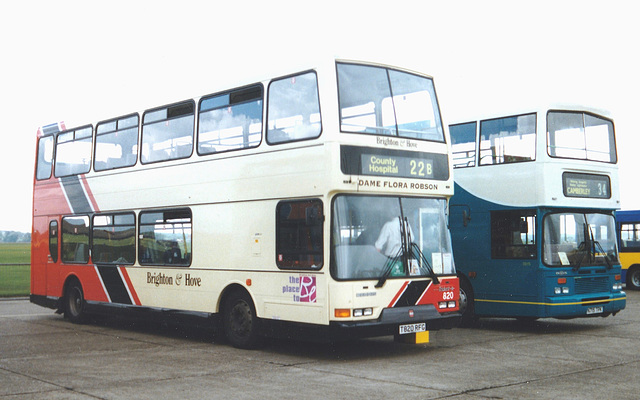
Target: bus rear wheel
(74, 304)
(633, 278)
(240, 322)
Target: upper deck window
(581, 136)
(117, 143)
(230, 121)
(293, 111)
(463, 144)
(73, 151)
(508, 140)
(167, 133)
(381, 101)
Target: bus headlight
(362, 312)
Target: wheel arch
(228, 290)
(71, 278)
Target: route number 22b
(420, 168)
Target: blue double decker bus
(532, 217)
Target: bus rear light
(342, 312)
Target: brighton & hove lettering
(189, 281)
(158, 279)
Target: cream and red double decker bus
(310, 203)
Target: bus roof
(539, 107)
(628, 215)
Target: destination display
(394, 163)
(586, 185)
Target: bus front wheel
(466, 303)
(240, 322)
(633, 278)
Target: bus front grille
(592, 285)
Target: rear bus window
(53, 240)
(45, 157)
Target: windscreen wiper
(586, 246)
(582, 248)
(388, 267)
(422, 260)
(598, 246)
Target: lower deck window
(114, 238)
(75, 239)
(299, 234)
(513, 234)
(165, 238)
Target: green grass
(15, 280)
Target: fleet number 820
(447, 296)
(420, 168)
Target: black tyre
(74, 305)
(633, 278)
(239, 320)
(467, 306)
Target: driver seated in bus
(390, 239)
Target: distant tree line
(14, 237)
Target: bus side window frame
(146, 254)
(54, 234)
(276, 135)
(86, 251)
(68, 137)
(315, 237)
(503, 227)
(166, 114)
(115, 221)
(100, 131)
(44, 168)
(235, 98)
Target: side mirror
(466, 217)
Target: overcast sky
(81, 62)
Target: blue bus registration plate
(595, 310)
(413, 328)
